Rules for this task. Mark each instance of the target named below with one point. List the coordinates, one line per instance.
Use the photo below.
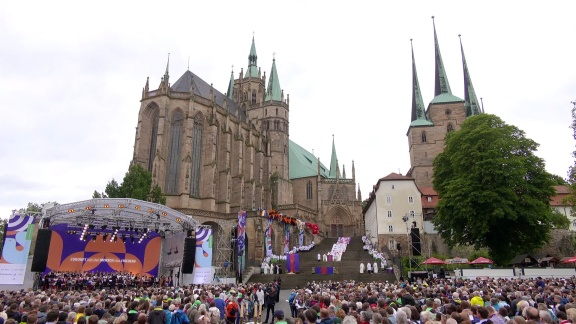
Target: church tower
(445, 113)
(267, 109)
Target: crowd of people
(431, 301)
(69, 280)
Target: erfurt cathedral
(217, 153)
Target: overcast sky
(71, 77)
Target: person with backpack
(231, 311)
(179, 317)
(157, 315)
(292, 302)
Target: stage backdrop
(16, 248)
(68, 253)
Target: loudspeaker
(41, 250)
(189, 255)
(415, 236)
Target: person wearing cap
(279, 317)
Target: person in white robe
(369, 267)
(375, 267)
(319, 256)
(361, 267)
(325, 258)
(266, 269)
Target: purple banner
(241, 236)
(286, 238)
(293, 263)
(268, 237)
(128, 253)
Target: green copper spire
(418, 111)
(252, 71)
(231, 86)
(470, 100)
(441, 80)
(273, 92)
(334, 170)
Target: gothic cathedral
(215, 154)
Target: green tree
(137, 184)
(559, 181)
(571, 198)
(494, 192)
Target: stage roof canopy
(123, 213)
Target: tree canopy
(137, 184)
(494, 191)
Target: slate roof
(202, 89)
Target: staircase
(347, 269)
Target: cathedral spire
(441, 80)
(273, 92)
(166, 75)
(470, 100)
(418, 110)
(334, 169)
(252, 71)
(231, 85)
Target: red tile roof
(561, 193)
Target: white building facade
(393, 213)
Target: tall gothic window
(423, 137)
(174, 147)
(309, 190)
(449, 128)
(155, 117)
(196, 157)
(253, 97)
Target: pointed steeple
(252, 71)
(273, 92)
(470, 100)
(353, 171)
(343, 171)
(166, 75)
(334, 169)
(442, 92)
(231, 85)
(418, 111)
(441, 80)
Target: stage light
(70, 210)
(164, 213)
(137, 207)
(120, 206)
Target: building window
(276, 111)
(309, 190)
(389, 214)
(412, 214)
(392, 244)
(253, 97)
(265, 112)
(423, 137)
(411, 199)
(196, 157)
(153, 135)
(390, 229)
(388, 199)
(449, 128)
(429, 199)
(173, 164)
(392, 187)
